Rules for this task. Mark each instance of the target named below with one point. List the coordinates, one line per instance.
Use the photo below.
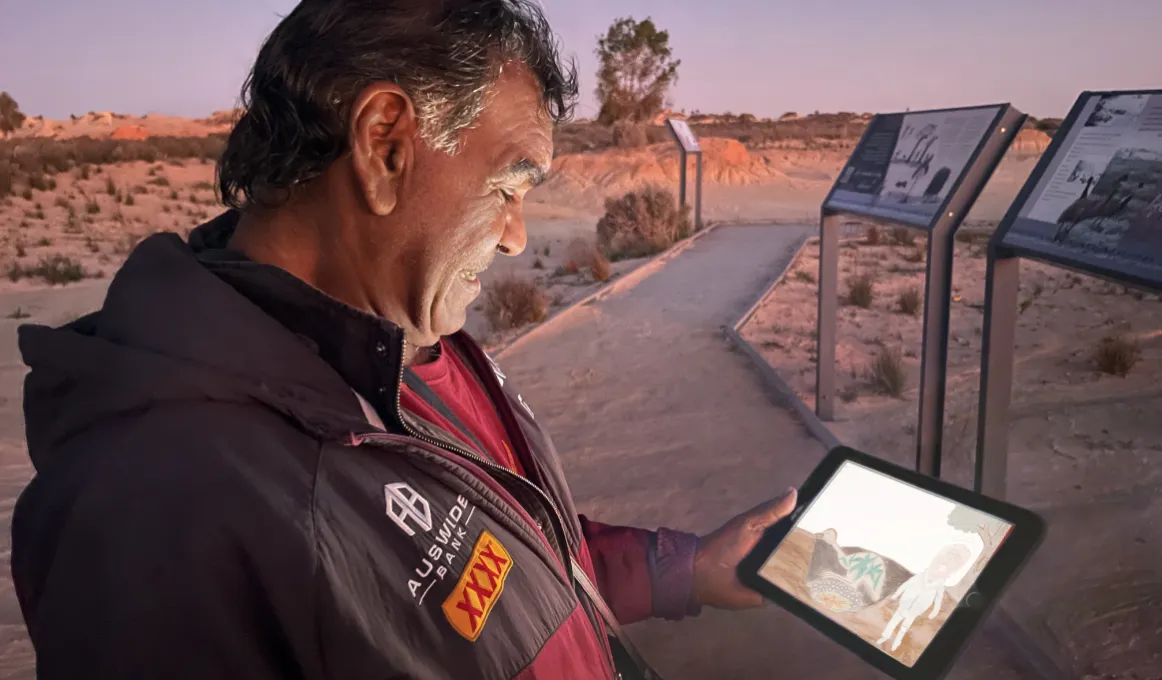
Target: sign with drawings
(907, 164)
(1095, 202)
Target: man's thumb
(774, 510)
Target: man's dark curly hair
(443, 53)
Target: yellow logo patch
(474, 596)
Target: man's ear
(382, 141)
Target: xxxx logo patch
(474, 596)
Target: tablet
(898, 567)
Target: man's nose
(515, 238)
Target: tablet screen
(885, 559)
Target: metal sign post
(688, 145)
(920, 170)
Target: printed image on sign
(1098, 204)
(479, 588)
(684, 135)
(907, 163)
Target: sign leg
(934, 360)
(698, 192)
(825, 337)
(996, 375)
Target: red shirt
(452, 381)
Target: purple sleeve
(641, 573)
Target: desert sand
(648, 364)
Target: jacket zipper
(558, 529)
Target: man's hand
(716, 582)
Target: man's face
(454, 213)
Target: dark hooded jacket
(226, 487)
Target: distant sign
(1097, 203)
(907, 163)
(684, 135)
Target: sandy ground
(1084, 445)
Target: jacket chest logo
(472, 600)
(406, 508)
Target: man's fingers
(772, 511)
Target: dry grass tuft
(887, 373)
(513, 302)
(909, 301)
(860, 291)
(1117, 354)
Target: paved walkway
(659, 422)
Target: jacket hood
(171, 330)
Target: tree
(10, 116)
(990, 529)
(635, 70)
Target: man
(273, 454)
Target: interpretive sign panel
(908, 164)
(1095, 203)
(684, 135)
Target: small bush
(872, 237)
(173, 195)
(26, 194)
(887, 373)
(903, 236)
(57, 269)
(914, 255)
(1116, 354)
(18, 313)
(139, 190)
(44, 242)
(110, 187)
(92, 207)
(860, 291)
(129, 199)
(203, 186)
(548, 250)
(804, 275)
(159, 181)
(538, 263)
(38, 182)
(582, 254)
(513, 302)
(909, 301)
(642, 223)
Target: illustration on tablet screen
(884, 559)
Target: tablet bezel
(953, 637)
